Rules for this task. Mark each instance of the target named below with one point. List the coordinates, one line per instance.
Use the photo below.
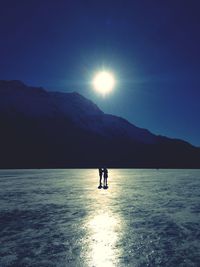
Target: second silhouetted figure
(105, 178)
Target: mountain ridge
(55, 129)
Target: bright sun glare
(104, 82)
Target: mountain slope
(52, 129)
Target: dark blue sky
(151, 46)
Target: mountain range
(41, 129)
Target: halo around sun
(104, 82)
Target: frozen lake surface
(59, 218)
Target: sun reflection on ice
(104, 230)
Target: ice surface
(59, 218)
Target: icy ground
(57, 218)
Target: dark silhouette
(103, 172)
(100, 177)
(57, 132)
(105, 178)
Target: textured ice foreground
(60, 218)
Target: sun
(104, 82)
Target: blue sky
(151, 46)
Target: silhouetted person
(100, 177)
(105, 177)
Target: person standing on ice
(100, 176)
(105, 177)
